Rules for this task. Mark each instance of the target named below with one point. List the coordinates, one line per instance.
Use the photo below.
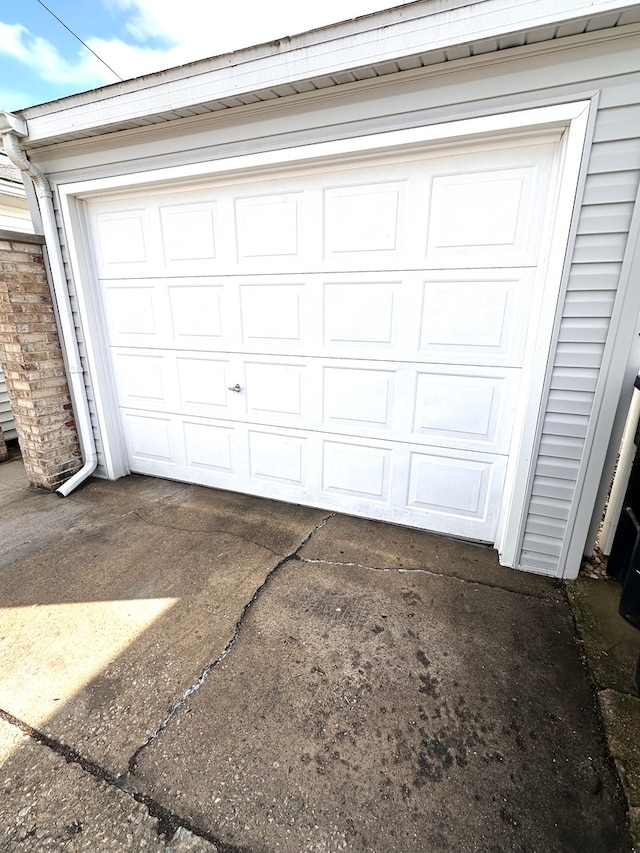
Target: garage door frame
(576, 120)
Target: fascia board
(380, 38)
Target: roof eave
(390, 36)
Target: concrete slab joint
(31, 358)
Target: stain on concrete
(401, 739)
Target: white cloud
(130, 60)
(13, 99)
(41, 56)
(196, 29)
(164, 34)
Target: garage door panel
(199, 313)
(129, 241)
(189, 234)
(278, 457)
(460, 486)
(359, 471)
(277, 389)
(476, 318)
(268, 226)
(151, 443)
(210, 448)
(481, 210)
(144, 379)
(123, 241)
(350, 475)
(272, 314)
(359, 397)
(133, 313)
(488, 216)
(473, 409)
(359, 315)
(364, 219)
(203, 384)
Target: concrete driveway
(184, 669)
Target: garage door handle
(235, 388)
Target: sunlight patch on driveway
(49, 652)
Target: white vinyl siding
(100, 470)
(612, 183)
(6, 416)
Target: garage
(354, 335)
(386, 268)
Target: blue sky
(40, 61)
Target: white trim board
(559, 115)
(570, 120)
(580, 131)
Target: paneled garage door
(352, 337)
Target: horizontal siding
(594, 276)
(599, 247)
(617, 124)
(605, 218)
(541, 563)
(619, 156)
(561, 423)
(610, 191)
(620, 93)
(589, 304)
(543, 544)
(579, 355)
(574, 379)
(549, 528)
(6, 416)
(609, 188)
(551, 487)
(562, 446)
(556, 467)
(569, 403)
(584, 330)
(550, 507)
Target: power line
(69, 30)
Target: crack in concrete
(206, 532)
(596, 692)
(168, 822)
(431, 572)
(176, 707)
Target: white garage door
(353, 338)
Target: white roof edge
(222, 62)
(419, 27)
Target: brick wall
(31, 358)
(4, 454)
